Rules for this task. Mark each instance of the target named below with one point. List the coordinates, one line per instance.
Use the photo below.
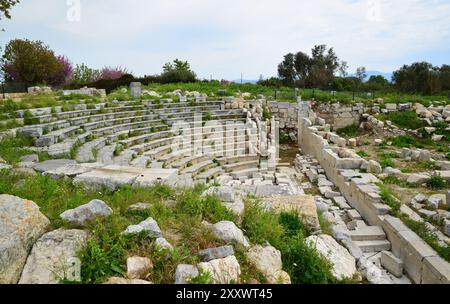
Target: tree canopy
(422, 78)
(317, 70)
(33, 62)
(6, 6)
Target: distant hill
(388, 76)
(245, 81)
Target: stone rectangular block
(416, 252)
(393, 264)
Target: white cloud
(225, 38)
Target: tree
(5, 7)
(31, 62)
(178, 71)
(376, 83)
(343, 69)
(112, 73)
(444, 77)
(287, 70)
(361, 73)
(82, 74)
(65, 74)
(419, 77)
(317, 70)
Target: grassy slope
(179, 213)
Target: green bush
(303, 263)
(403, 141)
(209, 208)
(203, 278)
(287, 233)
(386, 162)
(266, 113)
(350, 131)
(363, 154)
(436, 182)
(13, 148)
(104, 256)
(405, 119)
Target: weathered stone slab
(54, 257)
(21, 224)
(49, 165)
(344, 265)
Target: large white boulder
(85, 214)
(268, 261)
(21, 224)
(344, 265)
(229, 232)
(184, 273)
(138, 267)
(222, 271)
(149, 226)
(54, 257)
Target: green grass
(407, 141)
(389, 199)
(405, 119)
(10, 124)
(393, 180)
(179, 213)
(13, 148)
(283, 93)
(350, 131)
(363, 154)
(386, 162)
(403, 141)
(286, 232)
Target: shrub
(261, 226)
(350, 131)
(363, 154)
(209, 208)
(436, 182)
(403, 141)
(104, 256)
(203, 278)
(405, 119)
(303, 262)
(286, 232)
(386, 162)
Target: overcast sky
(225, 38)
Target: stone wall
(342, 115)
(342, 166)
(285, 113)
